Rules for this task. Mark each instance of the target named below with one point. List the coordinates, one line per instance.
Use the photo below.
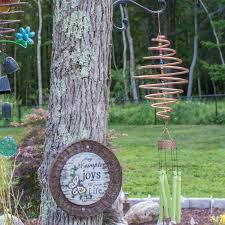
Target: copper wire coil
(6, 9)
(164, 91)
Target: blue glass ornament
(8, 147)
(24, 36)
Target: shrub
(185, 112)
(39, 116)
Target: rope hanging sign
(85, 179)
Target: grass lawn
(17, 133)
(201, 154)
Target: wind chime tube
(161, 215)
(164, 197)
(174, 208)
(168, 194)
(178, 213)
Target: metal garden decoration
(164, 73)
(8, 65)
(8, 147)
(23, 38)
(86, 178)
(166, 69)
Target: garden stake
(166, 70)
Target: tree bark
(195, 52)
(79, 94)
(132, 60)
(126, 97)
(39, 69)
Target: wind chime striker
(165, 73)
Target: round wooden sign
(85, 179)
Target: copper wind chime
(165, 71)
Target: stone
(200, 203)
(143, 212)
(13, 220)
(185, 203)
(219, 203)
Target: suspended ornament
(6, 111)
(4, 85)
(8, 147)
(10, 65)
(161, 84)
(24, 36)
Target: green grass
(201, 154)
(17, 133)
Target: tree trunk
(214, 87)
(195, 53)
(126, 98)
(39, 69)
(79, 96)
(217, 40)
(132, 60)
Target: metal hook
(125, 21)
(116, 3)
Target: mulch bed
(200, 216)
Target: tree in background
(177, 23)
(39, 68)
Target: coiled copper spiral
(164, 92)
(7, 7)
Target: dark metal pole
(216, 106)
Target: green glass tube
(168, 194)
(164, 197)
(178, 213)
(174, 198)
(161, 206)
